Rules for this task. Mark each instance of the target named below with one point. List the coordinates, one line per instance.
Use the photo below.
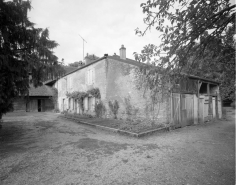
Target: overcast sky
(104, 24)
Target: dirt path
(40, 148)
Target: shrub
(100, 109)
(114, 107)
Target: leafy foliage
(192, 33)
(114, 106)
(23, 49)
(95, 92)
(100, 109)
(75, 64)
(129, 108)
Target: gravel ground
(41, 148)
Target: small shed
(40, 99)
(195, 100)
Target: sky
(104, 24)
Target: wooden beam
(208, 89)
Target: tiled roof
(69, 69)
(43, 90)
(127, 60)
(132, 62)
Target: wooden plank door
(187, 113)
(206, 108)
(189, 109)
(214, 107)
(176, 117)
(201, 109)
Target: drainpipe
(198, 102)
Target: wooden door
(201, 109)
(188, 117)
(214, 107)
(182, 109)
(206, 108)
(176, 118)
(39, 105)
(33, 106)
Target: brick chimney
(122, 52)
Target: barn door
(187, 115)
(182, 110)
(201, 109)
(206, 108)
(176, 119)
(214, 107)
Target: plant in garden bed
(139, 127)
(114, 107)
(100, 109)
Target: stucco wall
(121, 86)
(115, 81)
(77, 81)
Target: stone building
(114, 76)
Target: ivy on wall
(95, 92)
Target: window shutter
(93, 103)
(90, 77)
(93, 76)
(86, 103)
(86, 77)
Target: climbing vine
(80, 95)
(155, 84)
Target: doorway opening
(39, 106)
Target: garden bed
(121, 126)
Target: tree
(23, 49)
(75, 64)
(191, 31)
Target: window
(91, 103)
(69, 103)
(90, 76)
(72, 104)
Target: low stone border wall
(122, 132)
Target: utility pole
(83, 45)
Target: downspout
(171, 106)
(198, 102)
(106, 81)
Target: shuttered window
(90, 77)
